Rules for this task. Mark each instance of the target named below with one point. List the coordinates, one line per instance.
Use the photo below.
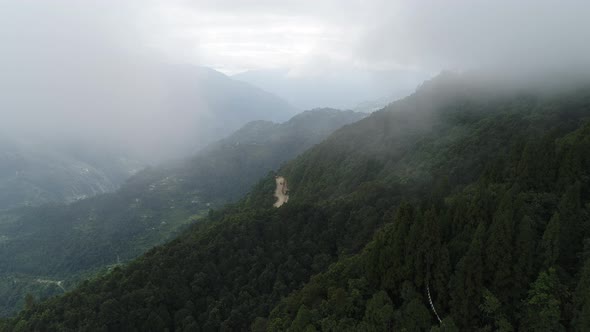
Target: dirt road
(281, 192)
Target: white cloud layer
(422, 35)
(240, 35)
(64, 62)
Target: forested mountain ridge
(68, 242)
(98, 137)
(236, 160)
(476, 196)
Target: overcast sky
(238, 35)
(47, 48)
(307, 35)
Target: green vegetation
(35, 174)
(474, 197)
(76, 241)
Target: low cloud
(92, 68)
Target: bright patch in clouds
(378, 34)
(236, 42)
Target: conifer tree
(467, 282)
(524, 263)
(499, 249)
(550, 243)
(542, 307)
(572, 226)
(581, 320)
(379, 312)
(387, 257)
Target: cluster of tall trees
(486, 261)
(449, 211)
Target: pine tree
(414, 264)
(542, 307)
(430, 246)
(386, 261)
(524, 263)
(494, 310)
(441, 276)
(581, 320)
(379, 312)
(467, 283)
(414, 316)
(572, 227)
(302, 321)
(550, 242)
(499, 249)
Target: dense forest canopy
(462, 202)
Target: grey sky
(301, 35)
(378, 34)
(65, 63)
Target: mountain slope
(61, 242)
(34, 174)
(476, 196)
(201, 105)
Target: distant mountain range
(209, 105)
(344, 88)
(196, 106)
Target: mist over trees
(142, 143)
(462, 194)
